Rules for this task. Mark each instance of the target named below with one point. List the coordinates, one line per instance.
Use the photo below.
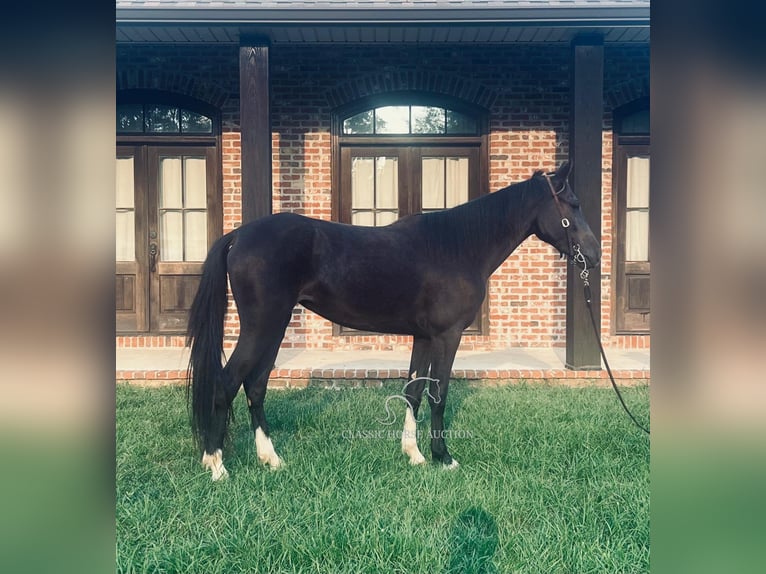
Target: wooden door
(380, 184)
(131, 282)
(176, 216)
(374, 185)
(444, 177)
(182, 225)
(633, 267)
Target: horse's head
(560, 221)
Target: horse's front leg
(413, 393)
(444, 349)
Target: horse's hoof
(214, 462)
(275, 463)
(271, 460)
(220, 474)
(451, 466)
(417, 459)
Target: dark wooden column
(255, 126)
(587, 105)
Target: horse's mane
(471, 228)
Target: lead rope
(580, 258)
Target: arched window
(161, 119)
(407, 153)
(168, 200)
(410, 120)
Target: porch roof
(380, 21)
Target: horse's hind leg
(413, 392)
(254, 353)
(255, 390)
(269, 334)
(212, 457)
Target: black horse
(424, 276)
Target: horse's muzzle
(586, 258)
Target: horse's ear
(562, 173)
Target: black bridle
(574, 248)
(577, 257)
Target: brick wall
(525, 88)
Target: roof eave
(604, 16)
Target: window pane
(362, 183)
(386, 217)
(130, 118)
(433, 182)
(458, 123)
(124, 184)
(170, 183)
(637, 236)
(192, 123)
(171, 236)
(638, 182)
(427, 120)
(457, 181)
(363, 218)
(126, 236)
(392, 120)
(162, 119)
(387, 184)
(195, 182)
(195, 235)
(125, 218)
(359, 124)
(635, 123)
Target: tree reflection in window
(360, 123)
(428, 120)
(410, 120)
(161, 119)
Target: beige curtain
(457, 181)
(444, 182)
(387, 184)
(183, 213)
(362, 182)
(125, 218)
(385, 217)
(195, 198)
(637, 221)
(432, 186)
(171, 198)
(374, 190)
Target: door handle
(152, 257)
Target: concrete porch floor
(298, 368)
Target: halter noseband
(577, 256)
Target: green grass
(552, 480)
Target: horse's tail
(205, 336)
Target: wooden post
(587, 109)
(255, 127)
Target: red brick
(528, 116)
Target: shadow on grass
(319, 411)
(473, 542)
(289, 411)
